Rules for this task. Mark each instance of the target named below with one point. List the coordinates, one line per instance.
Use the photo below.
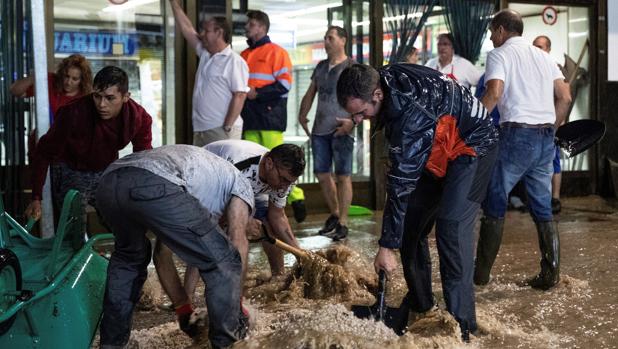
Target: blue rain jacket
(429, 119)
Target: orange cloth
(447, 146)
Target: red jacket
(85, 142)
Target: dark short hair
(546, 39)
(289, 156)
(357, 81)
(111, 76)
(449, 36)
(510, 20)
(261, 17)
(223, 24)
(342, 33)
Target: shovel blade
(394, 318)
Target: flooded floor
(289, 312)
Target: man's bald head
(508, 19)
(543, 43)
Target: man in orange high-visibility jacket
(270, 78)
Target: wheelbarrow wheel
(10, 281)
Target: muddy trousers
(132, 201)
(452, 203)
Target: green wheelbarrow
(51, 290)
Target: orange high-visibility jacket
(270, 73)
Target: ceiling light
(127, 5)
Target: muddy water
(297, 311)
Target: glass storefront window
(568, 36)
(299, 28)
(130, 36)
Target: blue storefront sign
(95, 43)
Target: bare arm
(562, 92)
(237, 215)
(186, 27)
(492, 95)
(305, 106)
(280, 225)
(19, 87)
(235, 107)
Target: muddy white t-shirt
(235, 151)
(208, 178)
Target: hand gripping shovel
(394, 318)
(298, 252)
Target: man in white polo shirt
(452, 65)
(221, 80)
(533, 100)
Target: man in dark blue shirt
(442, 146)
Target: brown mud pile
(337, 274)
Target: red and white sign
(550, 15)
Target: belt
(522, 125)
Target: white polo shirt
(462, 69)
(528, 74)
(217, 77)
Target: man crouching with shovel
(179, 192)
(271, 175)
(442, 146)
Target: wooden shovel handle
(293, 250)
(300, 253)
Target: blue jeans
(328, 149)
(525, 153)
(556, 162)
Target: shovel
(394, 318)
(577, 136)
(298, 252)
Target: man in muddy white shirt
(180, 193)
(271, 174)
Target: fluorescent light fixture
(576, 20)
(390, 19)
(314, 9)
(127, 5)
(578, 34)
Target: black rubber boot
(490, 238)
(549, 243)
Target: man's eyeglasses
(283, 179)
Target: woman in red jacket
(72, 79)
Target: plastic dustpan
(355, 210)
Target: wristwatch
(227, 128)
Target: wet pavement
(580, 312)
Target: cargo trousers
(132, 201)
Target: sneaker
(300, 211)
(340, 233)
(556, 206)
(329, 225)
